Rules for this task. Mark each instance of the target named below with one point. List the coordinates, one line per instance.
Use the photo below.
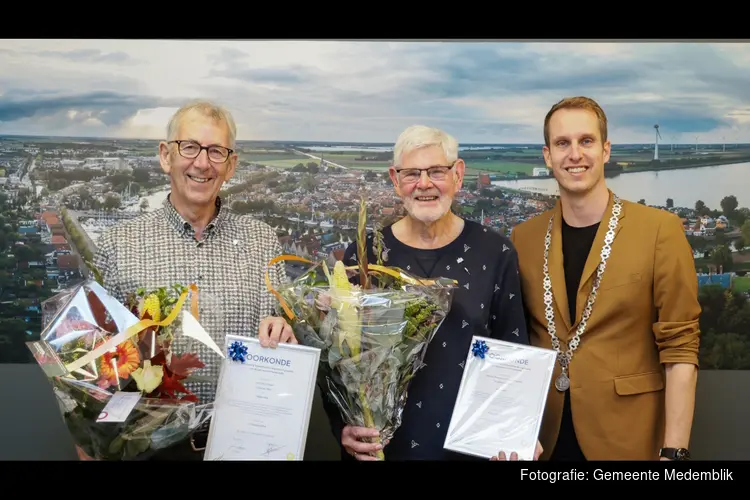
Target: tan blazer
(646, 314)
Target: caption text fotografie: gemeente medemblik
(651, 475)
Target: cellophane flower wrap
(93, 347)
(373, 335)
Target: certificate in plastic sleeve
(263, 401)
(501, 399)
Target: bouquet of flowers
(373, 335)
(119, 370)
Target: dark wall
(31, 427)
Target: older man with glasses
(195, 238)
(431, 241)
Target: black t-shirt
(487, 302)
(577, 242)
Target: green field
(530, 153)
(290, 160)
(145, 151)
(366, 165)
(349, 160)
(270, 158)
(281, 162)
(274, 158)
(499, 166)
(741, 284)
(245, 152)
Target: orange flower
(125, 357)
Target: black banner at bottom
(424, 478)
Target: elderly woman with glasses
(431, 241)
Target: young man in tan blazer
(624, 384)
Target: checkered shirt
(228, 265)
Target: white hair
(207, 109)
(420, 136)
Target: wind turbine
(656, 143)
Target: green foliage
(725, 329)
(420, 319)
(149, 421)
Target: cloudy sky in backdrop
(369, 91)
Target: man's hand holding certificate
(501, 399)
(263, 401)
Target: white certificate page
(263, 403)
(501, 400)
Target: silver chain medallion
(562, 383)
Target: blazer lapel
(557, 271)
(595, 257)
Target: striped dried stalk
(377, 239)
(364, 275)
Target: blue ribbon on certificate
(237, 351)
(480, 348)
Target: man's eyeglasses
(191, 150)
(436, 173)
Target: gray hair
(207, 109)
(421, 136)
